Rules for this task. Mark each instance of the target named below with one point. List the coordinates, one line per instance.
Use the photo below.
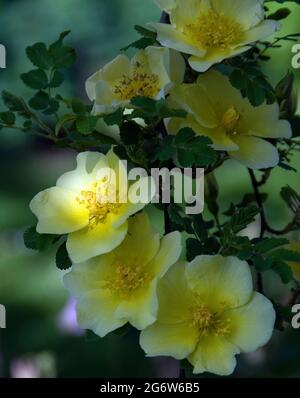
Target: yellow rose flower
(217, 110)
(295, 247)
(208, 313)
(121, 286)
(212, 30)
(90, 204)
(150, 73)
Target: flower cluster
(123, 271)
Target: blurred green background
(42, 338)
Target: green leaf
(78, 107)
(58, 43)
(292, 199)
(64, 57)
(280, 14)
(283, 270)
(15, 104)
(286, 255)
(40, 101)
(114, 118)
(36, 241)
(241, 219)
(64, 120)
(268, 244)
(141, 44)
(62, 258)
(39, 56)
(52, 108)
(145, 32)
(8, 118)
(57, 79)
(253, 84)
(36, 79)
(86, 124)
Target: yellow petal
(171, 37)
(141, 243)
(223, 282)
(252, 325)
(176, 66)
(141, 309)
(85, 174)
(111, 72)
(176, 340)
(96, 312)
(169, 252)
(214, 83)
(175, 296)
(87, 276)
(261, 31)
(215, 355)
(58, 211)
(89, 242)
(263, 121)
(255, 153)
(247, 12)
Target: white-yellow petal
(214, 355)
(141, 309)
(171, 37)
(94, 240)
(255, 153)
(223, 282)
(252, 325)
(58, 211)
(247, 12)
(96, 312)
(169, 252)
(82, 178)
(176, 340)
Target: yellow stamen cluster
(98, 210)
(230, 120)
(208, 322)
(139, 83)
(214, 31)
(127, 279)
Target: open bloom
(208, 313)
(217, 110)
(121, 286)
(150, 73)
(91, 204)
(212, 30)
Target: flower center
(230, 120)
(208, 322)
(214, 30)
(139, 83)
(99, 202)
(127, 279)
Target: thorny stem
(255, 184)
(264, 224)
(32, 131)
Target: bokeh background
(42, 338)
